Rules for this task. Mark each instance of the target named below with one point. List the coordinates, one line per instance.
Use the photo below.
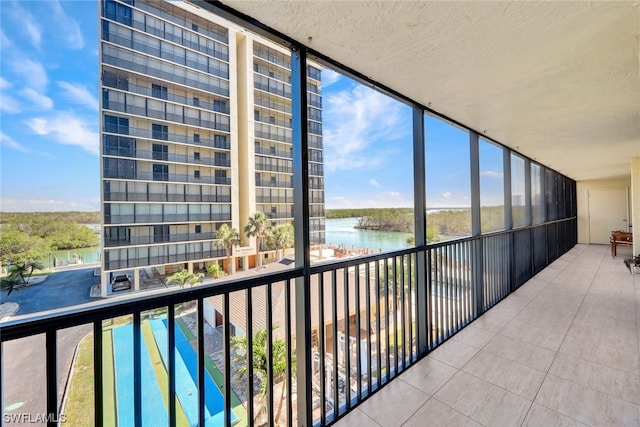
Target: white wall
(635, 203)
(583, 188)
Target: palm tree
(261, 363)
(281, 237)
(257, 226)
(227, 238)
(183, 277)
(25, 269)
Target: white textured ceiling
(558, 81)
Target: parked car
(120, 283)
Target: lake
(340, 231)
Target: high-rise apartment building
(195, 133)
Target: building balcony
(220, 142)
(459, 332)
(149, 240)
(561, 350)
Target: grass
(79, 410)
(108, 380)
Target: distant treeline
(380, 219)
(73, 216)
(360, 212)
(28, 237)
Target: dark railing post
(137, 369)
(304, 375)
(97, 373)
(52, 378)
(476, 226)
(420, 233)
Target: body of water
(340, 231)
(88, 255)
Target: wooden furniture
(619, 238)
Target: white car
(120, 283)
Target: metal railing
(371, 318)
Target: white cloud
(8, 142)
(4, 84)
(49, 205)
(447, 195)
(491, 174)
(374, 183)
(5, 41)
(65, 128)
(41, 102)
(79, 94)
(329, 77)
(354, 121)
(33, 72)
(69, 28)
(9, 105)
(33, 30)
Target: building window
(160, 233)
(158, 91)
(194, 27)
(116, 124)
(117, 12)
(160, 172)
(196, 174)
(160, 132)
(196, 156)
(198, 229)
(160, 152)
(196, 101)
(196, 138)
(220, 141)
(219, 106)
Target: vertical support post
(201, 366)
(527, 192)
(476, 225)
(97, 373)
(508, 212)
(52, 378)
(304, 375)
(171, 352)
(137, 370)
(420, 224)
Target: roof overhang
(557, 81)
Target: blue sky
(49, 124)
(49, 106)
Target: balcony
(457, 329)
(561, 350)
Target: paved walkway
(562, 350)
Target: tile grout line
(564, 337)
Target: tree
(281, 237)
(215, 271)
(257, 227)
(26, 268)
(227, 238)
(261, 363)
(18, 247)
(183, 277)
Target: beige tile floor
(563, 350)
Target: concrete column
(245, 263)
(635, 203)
(104, 284)
(190, 267)
(136, 279)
